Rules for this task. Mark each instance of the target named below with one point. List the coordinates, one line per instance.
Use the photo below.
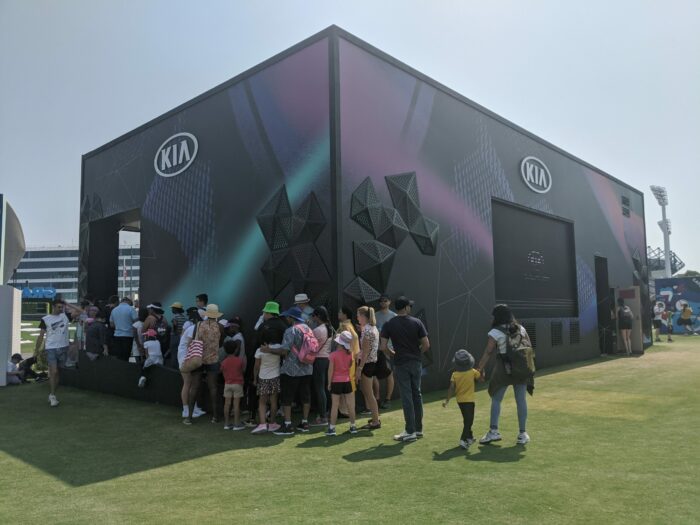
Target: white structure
(665, 225)
(10, 322)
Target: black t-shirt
(271, 331)
(405, 333)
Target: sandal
(372, 426)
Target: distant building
(56, 268)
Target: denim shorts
(56, 356)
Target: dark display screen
(535, 265)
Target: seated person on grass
(14, 376)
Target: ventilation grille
(574, 332)
(625, 206)
(625, 211)
(625, 201)
(557, 329)
(531, 331)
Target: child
(153, 354)
(14, 375)
(266, 378)
(462, 385)
(339, 364)
(232, 370)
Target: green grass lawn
(613, 441)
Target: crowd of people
(294, 357)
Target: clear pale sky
(614, 83)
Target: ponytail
(368, 312)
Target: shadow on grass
(92, 437)
(328, 441)
(381, 451)
(496, 454)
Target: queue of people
(297, 358)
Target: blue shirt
(123, 316)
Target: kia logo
(175, 154)
(536, 175)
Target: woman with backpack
(324, 334)
(505, 337)
(624, 324)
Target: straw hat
(212, 311)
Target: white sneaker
(523, 438)
(142, 382)
(185, 411)
(405, 437)
(491, 435)
(198, 412)
(53, 401)
(466, 443)
(260, 429)
(419, 435)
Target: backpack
(309, 348)
(519, 357)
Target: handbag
(193, 357)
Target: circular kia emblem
(536, 175)
(175, 154)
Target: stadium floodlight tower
(665, 225)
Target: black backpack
(519, 359)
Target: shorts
(268, 387)
(56, 356)
(213, 368)
(290, 385)
(340, 389)
(233, 390)
(370, 369)
(685, 322)
(657, 323)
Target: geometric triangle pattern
(425, 234)
(366, 208)
(360, 291)
(403, 189)
(373, 262)
(393, 228)
(291, 238)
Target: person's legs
(195, 380)
(467, 410)
(403, 378)
(375, 388)
(350, 403)
(367, 387)
(213, 398)
(496, 407)
(305, 396)
(521, 403)
(273, 408)
(53, 378)
(320, 379)
(417, 395)
(262, 408)
(288, 390)
(237, 410)
(389, 386)
(335, 400)
(227, 408)
(185, 393)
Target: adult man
(382, 316)
(410, 339)
(201, 301)
(302, 301)
(295, 376)
(121, 320)
(659, 309)
(55, 328)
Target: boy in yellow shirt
(462, 385)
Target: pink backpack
(309, 345)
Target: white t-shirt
(153, 348)
(11, 367)
(269, 364)
(185, 338)
(501, 339)
(658, 310)
(139, 334)
(56, 327)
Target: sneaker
(142, 382)
(366, 413)
(228, 427)
(405, 437)
(239, 426)
(260, 429)
(186, 412)
(419, 434)
(353, 429)
(463, 444)
(214, 419)
(303, 426)
(385, 405)
(319, 422)
(523, 438)
(466, 443)
(53, 401)
(331, 431)
(273, 426)
(250, 423)
(491, 435)
(187, 421)
(198, 412)
(285, 430)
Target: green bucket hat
(271, 307)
